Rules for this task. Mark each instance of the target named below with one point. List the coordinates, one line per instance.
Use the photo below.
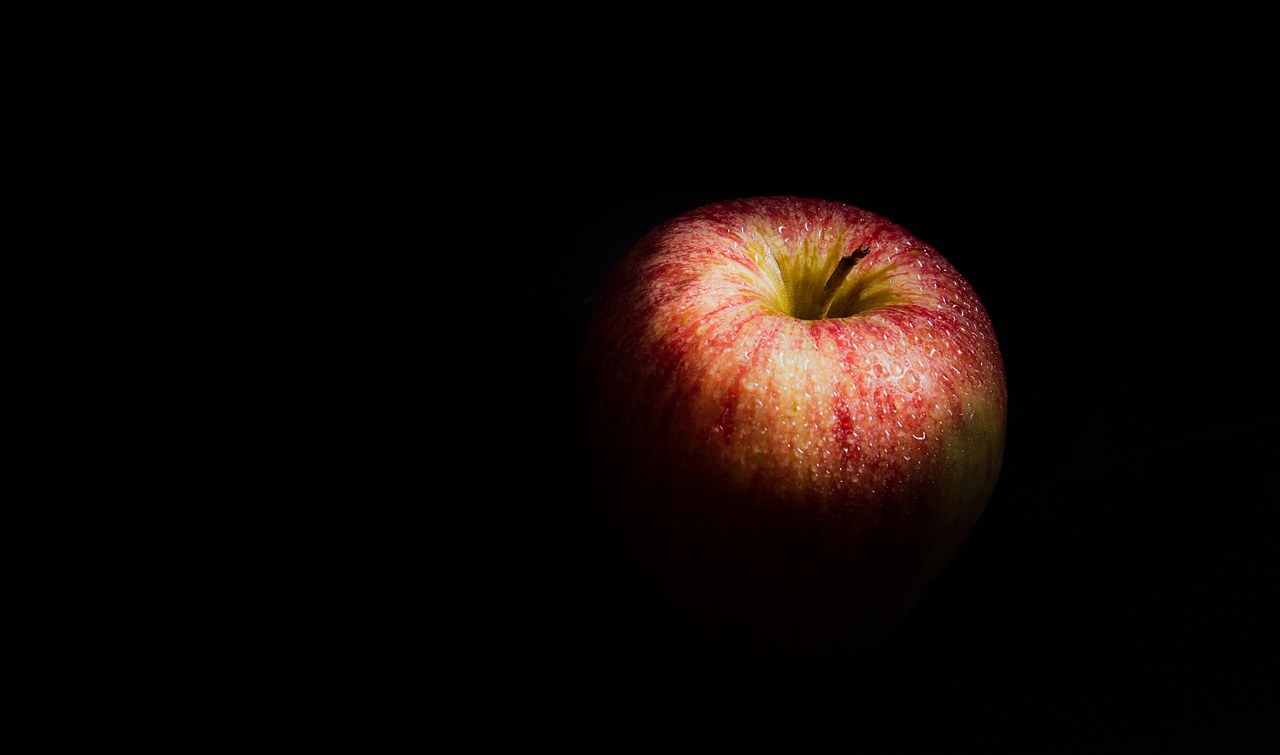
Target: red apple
(795, 411)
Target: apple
(794, 413)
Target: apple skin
(790, 482)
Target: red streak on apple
(792, 467)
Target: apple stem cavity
(838, 278)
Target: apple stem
(838, 277)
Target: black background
(301, 378)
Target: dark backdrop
(302, 388)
